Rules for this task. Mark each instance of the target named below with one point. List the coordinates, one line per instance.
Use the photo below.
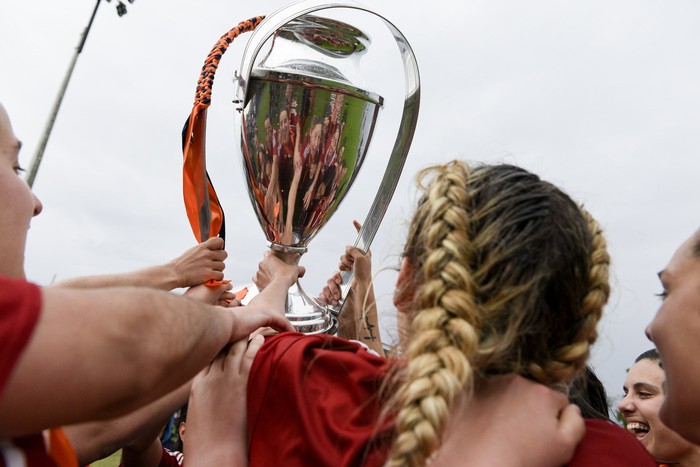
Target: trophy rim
(318, 83)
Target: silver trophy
(306, 123)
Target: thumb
(357, 225)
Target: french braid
(570, 358)
(439, 355)
(510, 276)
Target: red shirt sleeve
(608, 445)
(20, 304)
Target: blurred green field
(111, 461)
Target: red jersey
(314, 400)
(608, 445)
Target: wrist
(169, 275)
(227, 323)
(283, 281)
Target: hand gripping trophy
(305, 127)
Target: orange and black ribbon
(203, 208)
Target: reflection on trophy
(305, 129)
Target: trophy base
(313, 321)
(307, 315)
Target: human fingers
(322, 299)
(234, 302)
(207, 294)
(362, 262)
(263, 332)
(346, 261)
(248, 320)
(211, 249)
(201, 263)
(235, 355)
(327, 296)
(253, 346)
(215, 274)
(262, 276)
(274, 268)
(225, 298)
(214, 250)
(204, 372)
(214, 243)
(357, 225)
(260, 280)
(333, 285)
(357, 253)
(217, 264)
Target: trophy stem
(307, 315)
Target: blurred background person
(644, 390)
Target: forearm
(363, 310)
(274, 295)
(148, 456)
(225, 453)
(113, 350)
(159, 277)
(135, 431)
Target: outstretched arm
(197, 265)
(358, 319)
(114, 350)
(96, 440)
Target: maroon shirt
(313, 400)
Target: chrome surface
(306, 123)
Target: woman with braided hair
(502, 274)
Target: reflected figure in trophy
(284, 148)
(312, 153)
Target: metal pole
(31, 175)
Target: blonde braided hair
(510, 276)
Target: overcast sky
(599, 97)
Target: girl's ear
(405, 284)
(403, 301)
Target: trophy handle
(406, 128)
